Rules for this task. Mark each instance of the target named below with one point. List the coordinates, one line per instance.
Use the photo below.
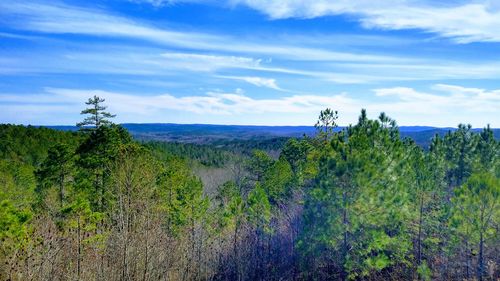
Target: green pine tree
(97, 115)
(476, 214)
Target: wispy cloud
(143, 60)
(161, 3)
(18, 36)
(133, 58)
(113, 59)
(445, 99)
(202, 62)
(59, 18)
(256, 81)
(208, 52)
(464, 23)
(407, 105)
(212, 103)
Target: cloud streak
(444, 101)
(134, 59)
(224, 103)
(59, 18)
(464, 23)
(202, 62)
(407, 105)
(203, 52)
(256, 81)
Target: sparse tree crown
(326, 123)
(97, 116)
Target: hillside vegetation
(357, 203)
(246, 137)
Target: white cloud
(448, 100)
(213, 103)
(256, 81)
(58, 18)
(161, 3)
(155, 3)
(110, 59)
(154, 61)
(464, 23)
(65, 19)
(475, 93)
(317, 63)
(202, 62)
(210, 52)
(408, 106)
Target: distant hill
(215, 134)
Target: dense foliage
(204, 154)
(358, 203)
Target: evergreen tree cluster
(353, 204)
(206, 155)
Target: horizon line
(247, 125)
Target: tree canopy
(356, 203)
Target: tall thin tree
(97, 116)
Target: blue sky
(273, 62)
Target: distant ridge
(212, 133)
(263, 128)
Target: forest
(357, 203)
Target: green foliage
(102, 146)
(476, 213)
(80, 214)
(16, 196)
(231, 207)
(97, 115)
(14, 226)
(29, 144)
(488, 153)
(459, 151)
(278, 180)
(359, 203)
(56, 170)
(428, 203)
(259, 208)
(476, 208)
(204, 154)
(246, 147)
(296, 153)
(183, 196)
(326, 123)
(17, 183)
(424, 272)
(358, 209)
(95, 156)
(259, 164)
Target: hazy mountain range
(206, 134)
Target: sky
(252, 62)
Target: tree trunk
(79, 250)
(61, 189)
(467, 260)
(419, 242)
(145, 272)
(480, 262)
(235, 251)
(344, 244)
